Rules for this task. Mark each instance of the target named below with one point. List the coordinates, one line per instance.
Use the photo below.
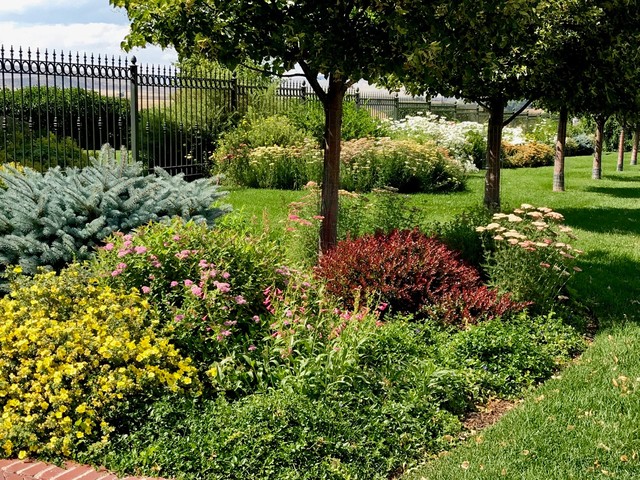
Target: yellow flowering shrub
(71, 352)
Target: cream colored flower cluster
(532, 227)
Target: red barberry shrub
(413, 273)
(467, 307)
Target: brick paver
(35, 470)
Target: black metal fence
(60, 108)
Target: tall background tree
(342, 40)
(479, 51)
(587, 64)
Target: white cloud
(21, 6)
(96, 38)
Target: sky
(84, 26)
(77, 26)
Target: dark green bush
(56, 110)
(581, 144)
(40, 150)
(357, 122)
(461, 236)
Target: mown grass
(584, 423)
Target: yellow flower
(22, 454)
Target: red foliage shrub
(466, 307)
(413, 273)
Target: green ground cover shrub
(53, 218)
(76, 357)
(505, 356)
(371, 399)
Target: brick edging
(14, 469)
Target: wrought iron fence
(60, 108)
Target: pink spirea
(140, 249)
(122, 266)
(252, 348)
(240, 300)
(222, 287)
(178, 318)
(109, 246)
(197, 291)
(174, 284)
(145, 289)
(188, 283)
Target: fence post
(234, 92)
(303, 91)
(396, 105)
(357, 97)
(133, 68)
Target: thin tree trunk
(634, 150)
(558, 163)
(331, 174)
(620, 166)
(596, 173)
(494, 142)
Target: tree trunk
(331, 175)
(634, 150)
(494, 143)
(596, 173)
(620, 166)
(558, 163)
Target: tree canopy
(342, 40)
(479, 51)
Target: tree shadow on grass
(625, 221)
(610, 285)
(618, 192)
(621, 178)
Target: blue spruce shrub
(53, 218)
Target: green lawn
(586, 422)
